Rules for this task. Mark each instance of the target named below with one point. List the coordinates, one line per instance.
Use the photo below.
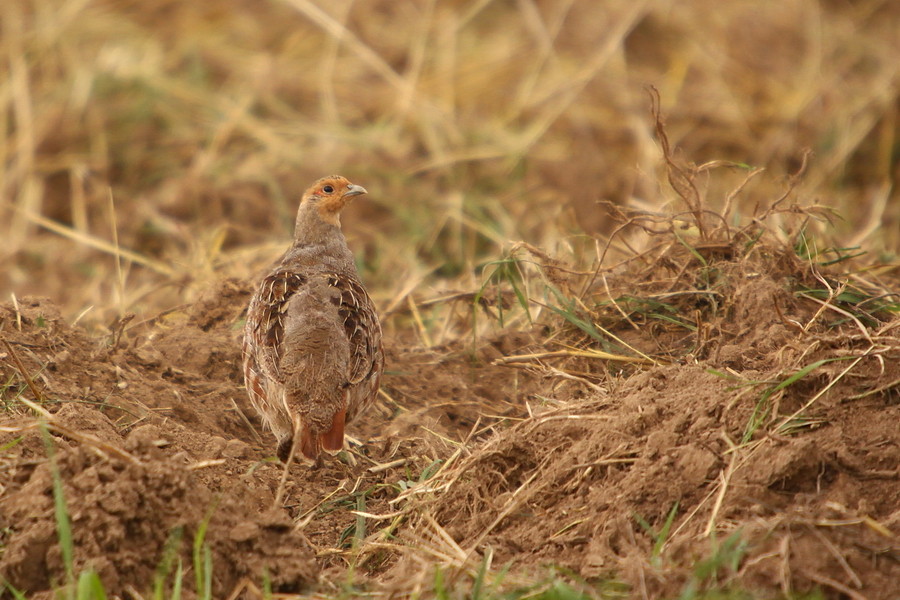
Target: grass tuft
(202, 557)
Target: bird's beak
(354, 190)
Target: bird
(312, 349)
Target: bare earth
(152, 433)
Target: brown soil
(152, 434)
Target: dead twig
(599, 354)
(24, 374)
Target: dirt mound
(153, 434)
(144, 457)
(768, 452)
(128, 511)
(755, 445)
(572, 486)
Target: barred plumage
(312, 342)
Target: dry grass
(149, 150)
(166, 146)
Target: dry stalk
(729, 199)
(439, 544)
(429, 485)
(376, 517)
(598, 354)
(836, 585)
(203, 464)
(724, 481)
(836, 554)
(514, 501)
(423, 331)
(100, 447)
(246, 421)
(784, 422)
(554, 372)
(245, 584)
(615, 304)
(28, 381)
(378, 468)
(785, 570)
(446, 538)
(883, 388)
(304, 519)
(279, 494)
(100, 244)
(15, 302)
(680, 181)
(841, 311)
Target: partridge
(312, 341)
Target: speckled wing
(357, 314)
(263, 340)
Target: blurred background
(150, 148)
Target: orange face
(331, 194)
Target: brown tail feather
(309, 443)
(333, 439)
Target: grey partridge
(312, 341)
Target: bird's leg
(288, 461)
(285, 448)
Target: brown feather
(333, 439)
(299, 371)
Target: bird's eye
(328, 189)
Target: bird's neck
(318, 243)
(311, 228)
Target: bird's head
(328, 197)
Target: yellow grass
(472, 123)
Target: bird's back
(312, 342)
(314, 345)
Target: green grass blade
(201, 557)
(359, 533)
(644, 525)
(430, 470)
(10, 444)
(689, 248)
(663, 536)
(170, 554)
(207, 573)
(266, 584)
(761, 410)
(61, 512)
(566, 309)
(179, 580)
(16, 593)
(440, 590)
(90, 587)
(802, 373)
(478, 585)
